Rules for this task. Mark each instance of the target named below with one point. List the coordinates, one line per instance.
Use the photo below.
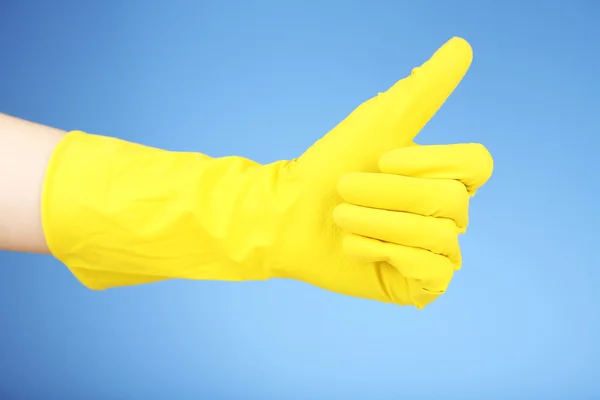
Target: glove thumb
(390, 120)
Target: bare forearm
(25, 150)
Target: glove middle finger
(442, 198)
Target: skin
(25, 150)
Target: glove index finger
(469, 163)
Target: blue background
(264, 79)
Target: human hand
(363, 212)
(400, 207)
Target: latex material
(118, 213)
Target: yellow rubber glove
(118, 213)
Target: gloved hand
(118, 213)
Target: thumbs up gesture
(390, 230)
(363, 212)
